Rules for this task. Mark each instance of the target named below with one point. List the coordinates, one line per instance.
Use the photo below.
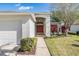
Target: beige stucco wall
(28, 27)
(32, 28)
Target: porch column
(47, 25)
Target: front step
(40, 35)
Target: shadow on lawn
(76, 45)
(77, 40)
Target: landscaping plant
(27, 44)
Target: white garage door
(10, 32)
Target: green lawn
(63, 46)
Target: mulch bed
(32, 52)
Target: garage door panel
(8, 37)
(9, 31)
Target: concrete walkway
(41, 48)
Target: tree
(66, 12)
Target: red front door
(39, 28)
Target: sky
(25, 7)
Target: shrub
(27, 44)
(72, 33)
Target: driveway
(8, 49)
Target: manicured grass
(63, 46)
